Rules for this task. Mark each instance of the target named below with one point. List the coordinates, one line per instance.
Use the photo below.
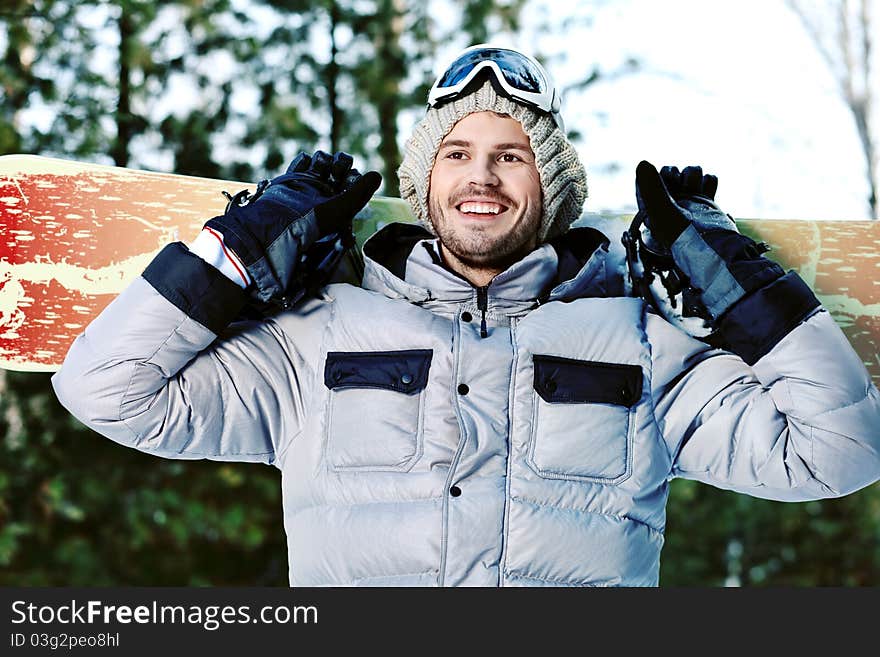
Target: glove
(271, 230)
(680, 213)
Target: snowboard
(74, 234)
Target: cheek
(531, 188)
(438, 182)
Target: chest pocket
(583, 423)
(375, 408)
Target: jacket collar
(402, 261)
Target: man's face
(485, 193)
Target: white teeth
(480, 208)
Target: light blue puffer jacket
(418, 447)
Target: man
(488, 408)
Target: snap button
(466, 316)
(550, 384)
(455, 491)
(463, 389)
(624, 394)
(406, 379)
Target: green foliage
(77, 509)
(481, 20)
(24, 33)
(719, 538)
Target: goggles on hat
(516, 76)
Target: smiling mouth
(481, 209)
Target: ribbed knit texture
(563, 179)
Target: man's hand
(270, 230)
(681, 214)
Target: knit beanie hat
(563, 179)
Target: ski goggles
(517, 76)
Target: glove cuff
(753, 326)
(195, 287)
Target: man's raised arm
(162, 369)
(787, 409)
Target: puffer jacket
(430, 433)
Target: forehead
(487, 128)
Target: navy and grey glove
(682, 216)
(752, 302)
(272, 229)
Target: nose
(482, 172)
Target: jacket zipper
(505, 517)
(483, 305)
(450, 477)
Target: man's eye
(510, 157)
(455, 155)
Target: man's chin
(483, 245)
(492, 254)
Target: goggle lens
(518, 71)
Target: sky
(735, 87)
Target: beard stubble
(477, 249)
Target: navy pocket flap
(404, 371)
(566, 381)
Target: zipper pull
(483, 305)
